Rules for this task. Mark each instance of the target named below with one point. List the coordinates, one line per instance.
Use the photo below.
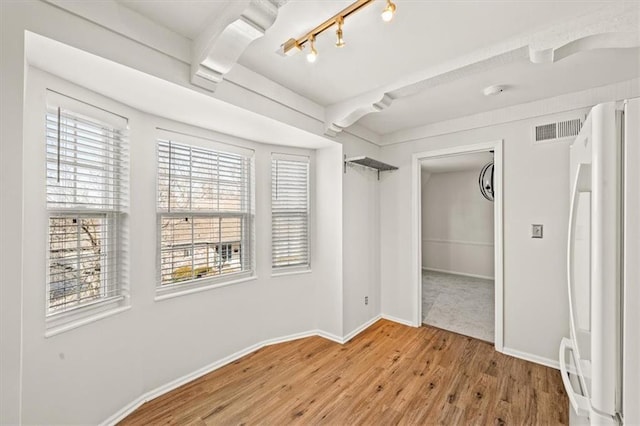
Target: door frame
(416, 227)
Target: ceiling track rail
(332, 21)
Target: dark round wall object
(486, 181)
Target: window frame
(247, 218)
(301, 267)
(113, 214)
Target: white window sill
(57, 326)
(291, 271)
(178, 290)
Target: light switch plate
(536, 231)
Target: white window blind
(289, 211)
(86, 180)
(205, 213)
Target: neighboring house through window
(205, 213)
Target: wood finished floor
(389, 374)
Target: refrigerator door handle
(582, 183)
(579, 403)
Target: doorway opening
(458, 240)
(457, 244)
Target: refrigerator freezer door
(593, 265)
(579, 254)
(605, 255)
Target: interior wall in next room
(457, 224)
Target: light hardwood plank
(389, 374)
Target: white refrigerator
(600, 360)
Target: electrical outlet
(366, 300)
(536, 231)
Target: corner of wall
(361, 237)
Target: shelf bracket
(369, 163)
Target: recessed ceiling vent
(559, 130)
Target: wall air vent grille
(546, 132)
(569, 128)
(555, 131)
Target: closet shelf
(370, 163)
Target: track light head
(339, 40)
(313, 53)
(389, 10)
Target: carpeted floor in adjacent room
(458, 303)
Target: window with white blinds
(205, 213)
(289, 211)
(86, 175)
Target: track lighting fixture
(313, 53)
(389, 10)
(293, 45)
(339, 39)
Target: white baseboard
(129, 408)
(458, 242)
(484, 277)
(284, 339)
(400, 320)
(161, 390)
(361, 328)
(124, 411)
(328, 336)
(533, 358)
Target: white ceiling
(456, 163)
(185, 17)
(525, 81)
(423, 36)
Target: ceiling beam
(613, 26)
(217, 49)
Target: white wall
(457, 224)
(114, 360)
(361, 237)
(328, 263)
(11, 87)
(535, 191)
(353, 206)
(55, 380)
